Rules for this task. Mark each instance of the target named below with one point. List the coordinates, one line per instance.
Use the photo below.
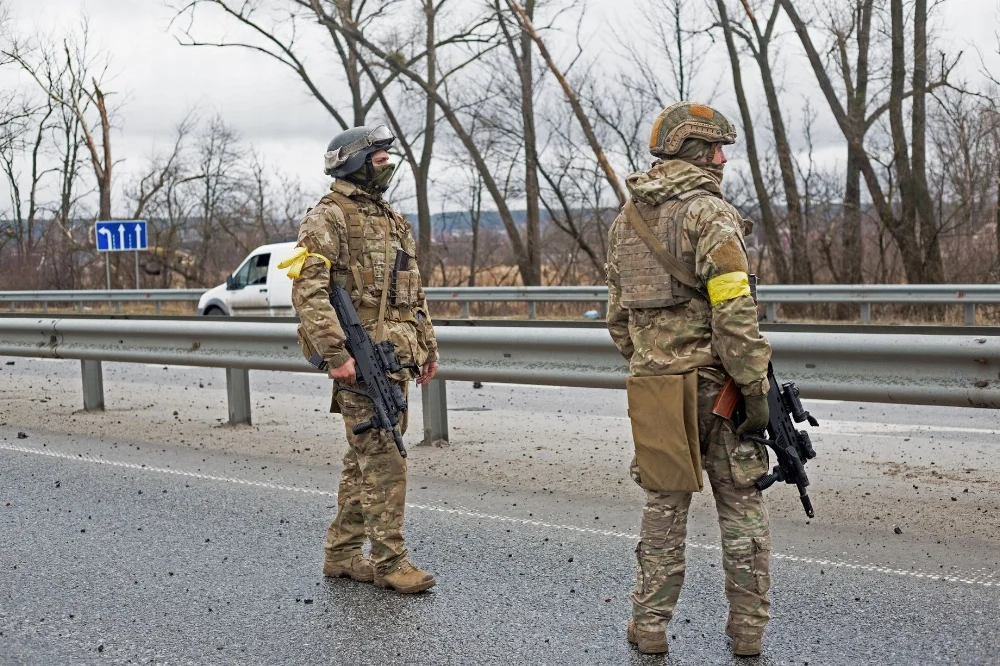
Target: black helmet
(349, 149)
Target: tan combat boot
(647, 642)
(356, 567)
(746, 646)
(406, 579)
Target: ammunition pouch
(405, 290)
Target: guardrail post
(465, 309)
(970, 314)
(93, 386)
(118, 307)
(771, 312)
(531, 309)
(238, 390)
(157, 307)
(602, 308)
(866, 313)
(434, 401)
(45, 306)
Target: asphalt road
(180, 557)
(166, 538)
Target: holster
(664, 414)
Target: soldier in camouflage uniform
(351, 238)
(662, 326)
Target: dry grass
(142, 308)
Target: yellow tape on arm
(297, 259)
(727, 287)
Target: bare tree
(451, 115)
(759, 42)
(23, 130)
(72, 76)
(854, 32)
(274, 29)
(520, 48)
(162, 167)
(913, 224)
(768, 218)
(674, 38)
(574, 102)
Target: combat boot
(746, 646)
(357, 567)
(647, 642)
(406, 579)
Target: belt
(391, 314)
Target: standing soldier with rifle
(355, 249)
(681, 313)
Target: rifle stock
(728, 400)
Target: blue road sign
(121, 235)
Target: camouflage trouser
(372, 494)
(732, 467)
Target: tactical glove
(757, 414)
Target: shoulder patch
(730, 257)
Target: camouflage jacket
(713, 329)
(325, 231)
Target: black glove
(757, 414)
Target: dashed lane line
(988, 580)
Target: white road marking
(989, 579)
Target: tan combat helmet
(685, 120)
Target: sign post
(121, 236)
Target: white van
(258, 288)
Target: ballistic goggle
(378, 138)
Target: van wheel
(214, 312)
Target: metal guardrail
(771, 296)
(116, 296)
(951, 368)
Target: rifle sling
(681, 271)
(380, 327)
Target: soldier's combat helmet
(350, 149)
(687, 120)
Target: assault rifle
(374, 362)
(791, 447)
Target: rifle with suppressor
(374, 362)
(791, 447)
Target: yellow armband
(297, 258)
(727, 287)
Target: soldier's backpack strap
(682, 271)
(355, 235)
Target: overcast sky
(271, 108)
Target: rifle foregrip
(727, 400)
(364, 427)
(766, 481)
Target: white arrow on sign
(107, 233)
(138, 236)
(121, 236)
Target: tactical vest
(645, 282)
(370, 268)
